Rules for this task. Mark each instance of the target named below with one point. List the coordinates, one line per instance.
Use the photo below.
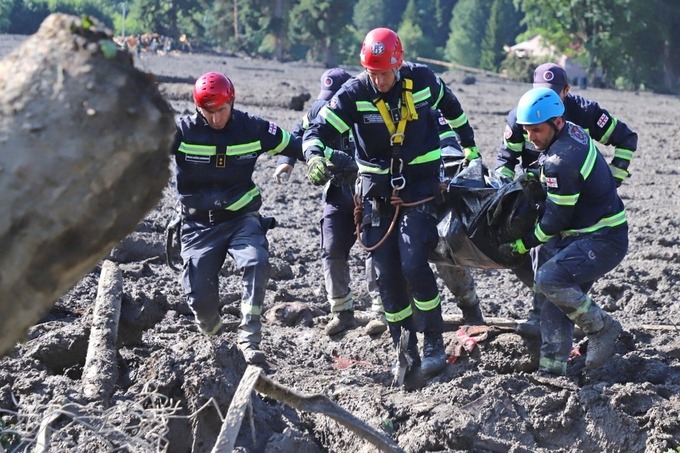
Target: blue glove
(317, 171)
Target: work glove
(516, 247)
(619, 174)
(317, 171)
(343, 168)
(282, 173)
(471, 153)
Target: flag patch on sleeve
(603, 120)
(272, 128)
(551, 182)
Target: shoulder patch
(603, 120)
(333, 102)
(578, 134)
(272, 128)
(551, 182)
(508, 132)
(442, 120)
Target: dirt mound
(180, 383)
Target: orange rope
(395, 201)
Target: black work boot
(341, 321)
(434, 356)
(472, 315)
(602, 344)
(531, 327)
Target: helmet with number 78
(381, 50)
(539, 105)
(213, 90)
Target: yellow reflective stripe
(305, 122)
(623, 153)
(552, 365)
(540, 234)
(244, 200)
(253, 310)
(447, 134)
(618, 173)
(245, 148)
(433, 155)
(333, 119)
(505, 171)
(589, 164)
(563, 200)
(605, 222)
(514, 147)
(365, 106)
(312, 143)
(200, 150)
(582, 309)
(422, 95)
(605, 138)
(427, 305)
(363, 168)
(285, 139)
(458, 122)
(440, 95)
(400, 315)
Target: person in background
(338, 233)
(516, 150)
(389, 108)
(215, 151)
(583, 232)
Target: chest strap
(395, 120)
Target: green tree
(502, 28)
(634, 43)
(415, 42)
(320, 24)
(468, 24)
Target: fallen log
(253, 378)
(84, 156)
(100, 373)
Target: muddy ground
(175, 385)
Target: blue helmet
(539, 105)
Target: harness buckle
(398, 182)
(397, 138)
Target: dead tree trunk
(100, 373)
(84, 141)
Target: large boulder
(84, 141)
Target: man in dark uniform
(516, 150)
(215, 151)
(583, 232)
(390, 110)
(338, 231)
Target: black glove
(343, 168)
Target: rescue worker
(583, 232)
(389, 108)
(516, 150)
(338, 234)
(215, 151)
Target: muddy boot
(602, 344)
(251, 353)
(472, 315)
(212, 329)
(408, 358)
(531, 327)
(434, 356)
(377, 325)
(341, 321)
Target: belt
(212, 216)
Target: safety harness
(395, 119)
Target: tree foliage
(468, 24)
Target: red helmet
(381, 50)
(213, 90)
